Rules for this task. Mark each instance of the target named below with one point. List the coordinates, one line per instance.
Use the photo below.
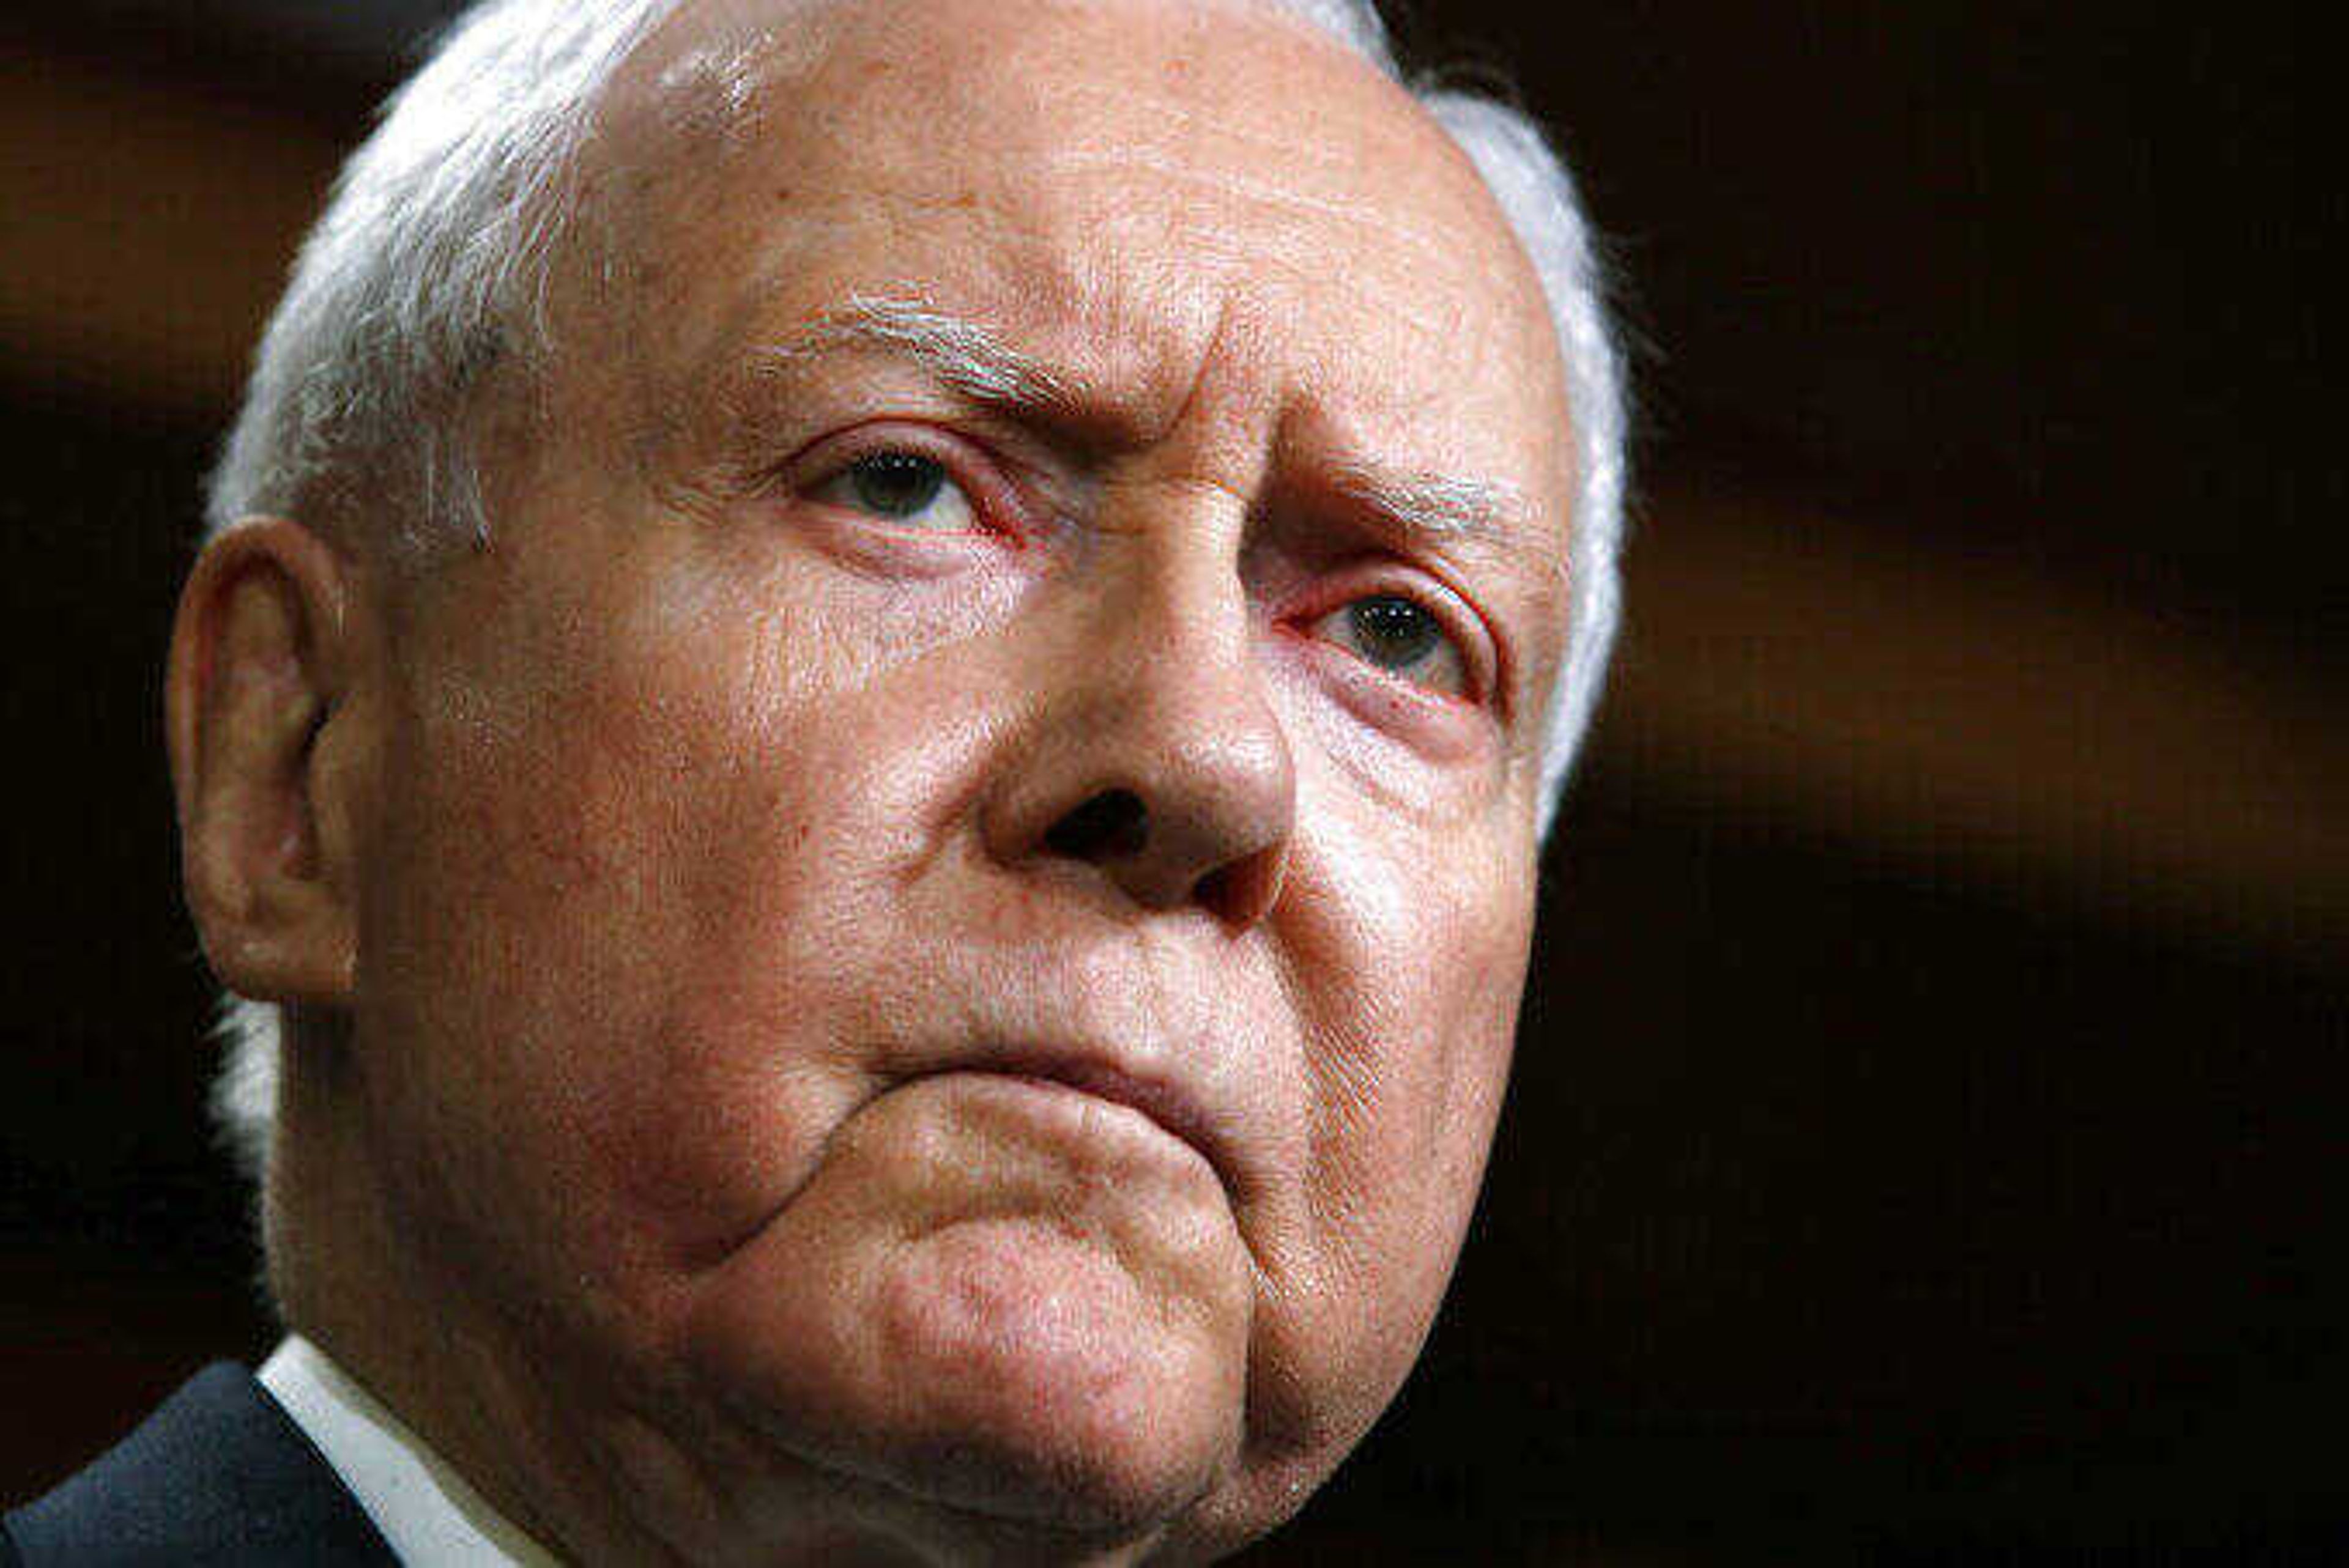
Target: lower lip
(1094, 1119)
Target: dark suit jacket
(219, 1475)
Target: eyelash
(1479, 677)
(1000, 512)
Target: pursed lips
(1174, 1108)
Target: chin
(1022, 1482)
(1131, 1487)
(1069, 1414)
(1002, 1304)
(991, 1385)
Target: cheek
(1416, 962)
(578, 827)
(1412, 973)
(641, 846)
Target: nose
(1155, 757)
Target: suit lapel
(218, 1475)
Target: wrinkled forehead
(1112, 180)
(707, 60)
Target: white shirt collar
(424, 1511)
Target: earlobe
(260, 664)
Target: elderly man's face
(945, 909)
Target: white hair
(431, 266)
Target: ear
(260, 655)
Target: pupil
(896, 484)
(1394, 631)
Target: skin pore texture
(857, 1009)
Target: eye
(1402, 637)
(904, 488)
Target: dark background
(1921, 1137)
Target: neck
(403, 1323)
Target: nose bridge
(1162, 761)
(1175, 612)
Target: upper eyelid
(1453, 566)
(843, 450)
(1000, 448)
(833, 471)
(992, 490)
(1483, 649)
(1482, 653)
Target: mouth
(1172, 1108)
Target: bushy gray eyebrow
(976, 361)
(972, 359)
(1441, 505)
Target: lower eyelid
(1431, 723)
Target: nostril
(1112, 825)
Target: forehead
(1132, 186)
